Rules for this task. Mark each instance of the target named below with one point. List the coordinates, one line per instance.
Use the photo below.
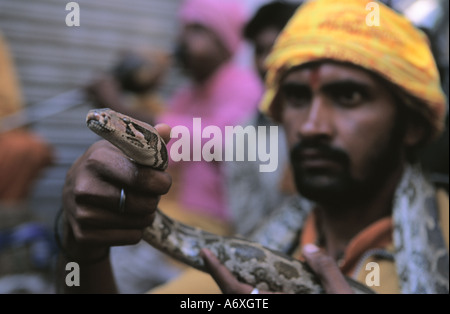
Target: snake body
(249, 261)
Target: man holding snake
(357, 102)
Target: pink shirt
(229, 98)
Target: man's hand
(91, 199)
(323, 265)
(223, 277)
(331, 277)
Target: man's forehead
(323, 72)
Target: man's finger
(326, 268)
(223, 277)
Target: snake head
(99, 121)
(138, 140)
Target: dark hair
(275, 14)
(409, 114)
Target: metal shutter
(52, 58)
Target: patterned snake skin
(249, 261)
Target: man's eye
(197, 28)
(296, 97)
(349, 98)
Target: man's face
(200, 51)
(263, 43)
(340, 123)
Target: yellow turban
(340, 30)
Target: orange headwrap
(340, 30)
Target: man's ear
(415, 133)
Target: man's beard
(336, 186)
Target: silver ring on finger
(122, 200)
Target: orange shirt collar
(375, 236)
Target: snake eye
(126, 120)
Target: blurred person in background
(132, 85)
(23, 154)
(26, 246)
(263, 29)
(254, 194)
(221, 93)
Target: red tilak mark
(314, 78)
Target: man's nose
(319, 121)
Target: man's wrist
(74, 251)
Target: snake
(249, 261)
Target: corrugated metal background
(52, 58)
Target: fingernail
(310, 248)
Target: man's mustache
(321, 148)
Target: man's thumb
(326, 269)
